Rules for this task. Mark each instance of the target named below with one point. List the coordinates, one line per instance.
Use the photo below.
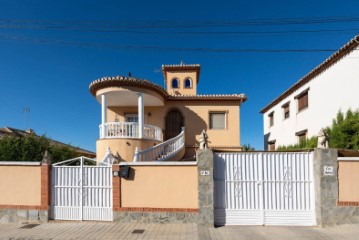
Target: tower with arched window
(181, 79)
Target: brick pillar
(116, 191)
(45, 186)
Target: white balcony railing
(163, 151)
(130, 130)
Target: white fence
(264, 188)
(130, 130)
(81, 192)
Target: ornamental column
(140, 115)
(103, 115)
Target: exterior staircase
(170, 150)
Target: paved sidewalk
(102, 230)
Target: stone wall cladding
(205, 187)
(328, 211)
(155, 217)
(22, 216)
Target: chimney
(29, 130)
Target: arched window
(188, 83)
(175, 83)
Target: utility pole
(26, 110)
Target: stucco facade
(330, 87)
(166, 185)
(20, 185)
(136, 106)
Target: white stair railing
(163, 151)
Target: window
(175, 83)
(286, 113)
(271, 119)
(271, 145)
(302, 135)
(217, 120)
(188, 83)
(302, 100)
(131, 117)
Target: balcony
(129, 130)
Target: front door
(174, 124)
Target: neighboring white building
(314, 101)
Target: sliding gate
(80, 190)
(264, 188)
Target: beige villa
(142, 121)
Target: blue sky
(50, 51)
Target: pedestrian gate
(264, 188)
(81, 191)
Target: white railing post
(82, 187)
(103, 115)
(140, 115)
(135, 158)
(129, 130)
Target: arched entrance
(174, 124)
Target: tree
(247, 147)
(10, 149)
(60, 153)
(31, 148)
(344, 132)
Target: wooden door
(174, 124)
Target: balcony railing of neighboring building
(130, 130)
(163, 151)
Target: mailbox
(124, 172)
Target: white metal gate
(81, 192)
(264, 188)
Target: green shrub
(344, 132)
(31, 148)
(305, 144)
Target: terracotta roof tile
(233, 97)
(343, 51)
(120, 81)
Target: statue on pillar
(46, 159)
(322, 139)
(203, 140)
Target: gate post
(326, 186)
(205, 186)
(45, 192)
(116, 192)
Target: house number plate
(328, 171)
(204, 172)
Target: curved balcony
(129, 130)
